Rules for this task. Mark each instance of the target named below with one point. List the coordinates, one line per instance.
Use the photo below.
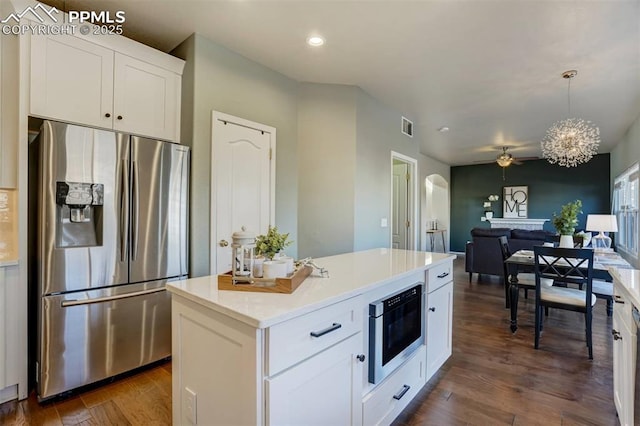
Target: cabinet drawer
(386, 401)
(439, 275)
(299, 338)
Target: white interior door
(400, 216)
(243, 183)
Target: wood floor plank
(73, 411)
(108, 413)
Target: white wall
(326, 169)
(219, 79)
(378, 134)
(333, 171)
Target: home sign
(515, 200)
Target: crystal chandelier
(572, 141)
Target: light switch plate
(383, 222)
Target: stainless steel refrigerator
(111, 232)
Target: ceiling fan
(505, 159)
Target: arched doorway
(436, 207)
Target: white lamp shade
(602, 223)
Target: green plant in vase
(567, 221)
(271, 243)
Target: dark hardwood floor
(493, 378)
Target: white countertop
(350, 275)
(4, 263)
(629, 284)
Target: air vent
(407, 127)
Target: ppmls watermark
(46, 21)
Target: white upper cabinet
(146, 99)
(77, 80)
(71, 80)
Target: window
(625, 207)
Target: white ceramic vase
(566, 241)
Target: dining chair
(570, 266)
(525, 280)
(602, 289)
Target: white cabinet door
(439, 325)
(326, 389)
(146, 99)
(71, 80)
(624, 363)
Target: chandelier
(572, 141)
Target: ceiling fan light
(504, 160)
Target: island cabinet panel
(439, 318)
(322, 390)
(218, 360)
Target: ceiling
(488, 70)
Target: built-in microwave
(396, 330)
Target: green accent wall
(550, 186)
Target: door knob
(432, 309)
(361, 357)
(224, 243)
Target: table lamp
(601, 223)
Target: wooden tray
(280, 285)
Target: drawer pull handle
(432, 309)
(444, 274)
(400, 394)
(618, 299)
(327, 330)
(361, 357)
(616, 335)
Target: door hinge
(270, 153)
(408, 224)
(408, 177)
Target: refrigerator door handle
(124, 211)
(69, 303)
(135, 216)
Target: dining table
(523, 261)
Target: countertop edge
(268, 322)
(5, 263)
(628, 294)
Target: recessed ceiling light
(315, 41)
(443, 129)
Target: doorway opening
(436, 213)
(404, 191)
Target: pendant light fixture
(572, 141)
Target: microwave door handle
(124, 211)
(135, 214)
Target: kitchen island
(303, 358)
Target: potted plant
(566, 222)
(272, 243)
